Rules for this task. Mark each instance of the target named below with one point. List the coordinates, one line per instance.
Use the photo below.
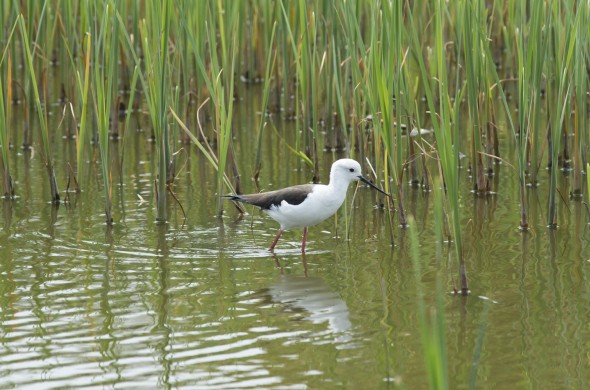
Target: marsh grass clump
(5, 116)
(41, 109)
(105, 54)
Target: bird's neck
(338, 186)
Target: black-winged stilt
(306, 205)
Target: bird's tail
(233, 197)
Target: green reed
(383, 81)
(104, 58)
(432, 320)
(532, 48)
(375, 68)
(5, 114)
(154, 38)
(338, 115)
(181, 71)
(580, 81)
(558, 91)
(81, 136)
(8, 184)
(233, 25)
(270, 64)
(208, 153)
(301, 40)
(339, 75)
(445, 122)
(128, 114)
(432, 323)
(218, 76)
(471, 34)
(357, 120)
(192, 31)
(41, 111)
(82, 90)
(222, 90)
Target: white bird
(306, 205)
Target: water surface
(204, 305)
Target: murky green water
(204, 305)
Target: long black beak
(373, 186)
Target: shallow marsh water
(204, 305)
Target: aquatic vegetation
(425, 94)
(154, 34)
(5, 115)
(41, 111)
(104, 58)
(419, 90)
(432, 323)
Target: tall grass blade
(563, 45)
(42, 114)
(8, 185)
(154, 39)
(5, 114)
(432, 325)
(83, 92)
(104, 60)
(270, 64)
(446, 127)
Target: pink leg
(304, 264)
(304, 240)
(274, 243)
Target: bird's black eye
(351, 169)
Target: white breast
(319, 205)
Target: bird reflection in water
(311, 299)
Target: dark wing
(293, 195)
